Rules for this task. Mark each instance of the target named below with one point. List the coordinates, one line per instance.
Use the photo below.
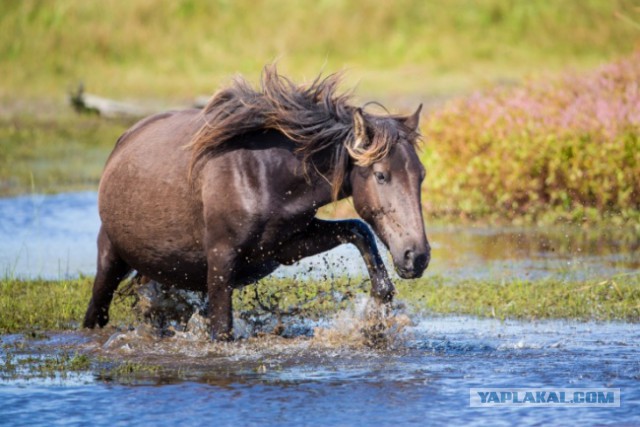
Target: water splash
(364, 325)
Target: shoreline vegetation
(560, 149)
(35, 306)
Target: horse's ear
(413, 120)
(359, 129)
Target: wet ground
(420, 375)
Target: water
(422, 377)
(54, 237)
(423, 380)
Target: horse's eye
(380, 177)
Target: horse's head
(385, 184)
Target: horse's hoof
(91, 320)
(221, 336)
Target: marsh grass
(17, 365)
(37, 305)
(131, 372)
(45, 155)
(617, 298)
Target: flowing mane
(315, 116)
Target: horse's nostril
(408, 255)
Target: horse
(217, 198)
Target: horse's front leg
(322, 235)
(220, 292)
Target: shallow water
(54, 237)
(423, 379)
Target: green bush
(563, 148)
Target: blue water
(49, 236)
(423, 381)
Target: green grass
(41, 305)
(16, 365)
(37, 305)
(180, 48)
(605, 300)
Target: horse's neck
(315, 190)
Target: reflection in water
(54, 237)
(533, 253)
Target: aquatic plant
(127, 369)
(18, 365)
(567, 147)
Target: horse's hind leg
(111, 270)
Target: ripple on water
(333, 377)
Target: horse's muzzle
(414, 264)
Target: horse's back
(151, 128)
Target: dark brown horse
(218, 198)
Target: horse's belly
(251, 273)
(150, 214)
(166, 251)
(177, 272)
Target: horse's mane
(314, 116)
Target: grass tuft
(32, 306)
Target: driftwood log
(87, 103)
(84, 102)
